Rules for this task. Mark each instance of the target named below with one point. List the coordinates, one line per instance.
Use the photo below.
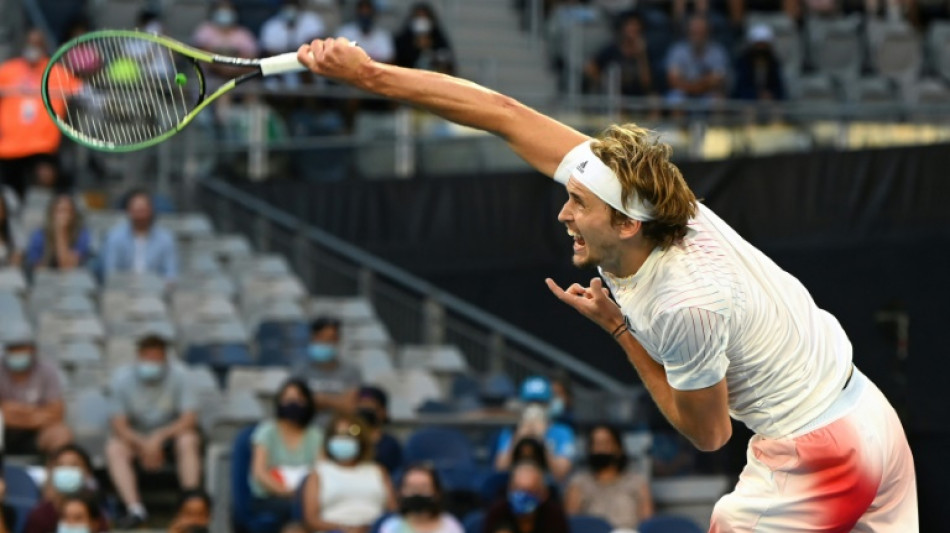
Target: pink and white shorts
(849, 470)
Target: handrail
(451, 303)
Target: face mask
(601, 461)
(369, 416)
(289, 13)
(18, 362)
(343, 448)
(556, 407)
(69, 528)
(149, 371)
(32, 53)
(67, 479)
(293, 412)
(154, 27)
(224, 17)
(418, 503)
(321, 352)
(365, 22)
(421, 25)
(522, 502)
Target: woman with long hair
(421, 505)
(64, 242)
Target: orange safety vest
(25, 128)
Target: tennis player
(713, 327)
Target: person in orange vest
(28, 136)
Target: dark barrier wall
(865, 231)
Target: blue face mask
(149, 371)
(289, 13)
(522, 502)
(67, 479)
(18, 362)
(343, 448)
(321, 352)
(69, 528)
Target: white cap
(760, 33)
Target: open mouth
(579, 242)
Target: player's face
(588, 222)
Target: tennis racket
(124, 90)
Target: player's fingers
(576, 290)
(303, 55)
(597, 288)
(557, 290)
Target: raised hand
(594, 302)
(337, 58)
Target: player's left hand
(594, 302)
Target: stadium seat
(494, 486)
(836, 46)
(444, 447)
(244, 519)
(588, 524)
(896, 51)
(374, 363)
(474, 522)
(136, 283)
(22, 493)
(349, 310)
(366, 335)
(668, 524)
(281, 343)
(407, 390)
(444, 358)
(12, 279)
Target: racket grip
(280, 64)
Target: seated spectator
(373, 407)
(607, 488)
(287, 30)
(284, 449)
(139, 245)
(421, 505)
(422, 42)
(193, 514)
(536, 422)
(64, 242)
(155, 423)
(528, 507)
(79, 513)
(70, 472)
(347, 491)
(334, 382)
(11, 241)
(293, 527)
(31, 399)
(562, 403)
(629, 56)
(697, 68)
(758, 70)
(221, 34)
(375, 41)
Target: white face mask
(421, 25)
(154, 27)
(32, 53)
(224, 17)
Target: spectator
(64, 243)
(193, 514)
(528, 507)
(629, 56)
(287, 30)
(697, 68)
(79, 513)
(376, 41)
(373, 407)
(294, 527)
(7, 512)
(149, 20)
(138, 244)
(347, 491)
(530, 449)
(422, 42)
(758, 71)
(221, 34)
(31, 398)
(11, 242)
(335, 383)
(284, 449)
(562, 403)
(155, 423)
(421, 505)
(535, 422)
(27, 134)
(70, 472)
(609, 489)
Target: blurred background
(317, 310)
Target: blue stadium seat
(282, 343)
(244, 519)
(468, 478)
(443, 447)
(668, 524)
(588, 524)
(22, 493)
(493, 487)
(296, 512)
(474, 522)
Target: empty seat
(187, 226)
(445, 358)
(407, 390)
(75, 280)
(264, 382)
(589, 524)
(136, 283)
(268, 264)
(346, 309)
(896, 52)
(282, 342)
(836, 46)
(12, 279)
(872, 90)
(55, 329)
(366, 335)
(668, 524)
(815, 89)
(373, 363)
(444, 447)
(938, 45)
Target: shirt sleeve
(34, 250)
(187, 399)
(117, 387)
(562, 441)
(692, 347)
(261, 433)
(571, 160)
(504, 441)
(52, 387)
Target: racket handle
(280, 64)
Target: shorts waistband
(847, 400)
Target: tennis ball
(123, 71)
(181, 79)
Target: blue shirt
(37, 247)
(118, 252)
(559, 438)
(389, 452)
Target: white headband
(590, 171)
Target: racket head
(123, 90)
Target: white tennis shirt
(714, 307)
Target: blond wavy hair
(644, 168)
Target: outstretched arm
(538, 139)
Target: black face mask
(293, 412)
(369, 416)
(419, 504)
(602, 461)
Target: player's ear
(629, 228)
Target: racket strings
(129, 90)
